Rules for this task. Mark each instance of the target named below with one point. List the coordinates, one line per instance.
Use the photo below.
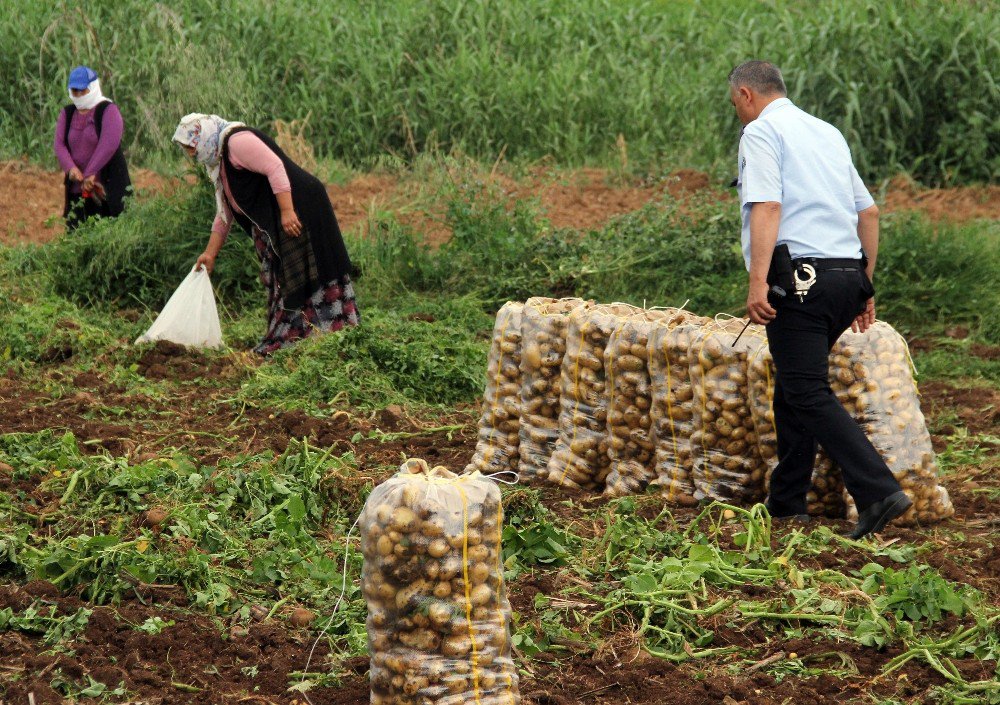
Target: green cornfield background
(912, 83)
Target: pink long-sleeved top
(85, 150)
(247, 151)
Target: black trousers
(806, 411)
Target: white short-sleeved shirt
(789, 156)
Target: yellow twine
(670, 416)
(704, 403)
(500, 621)
(468, 594)
(576, 409)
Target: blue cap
(81, 77)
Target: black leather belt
(827, 265)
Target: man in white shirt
(799, 189)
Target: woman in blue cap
(88, 145)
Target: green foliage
(548, 633)
(663, 254)
(46, 622)
(915, 593)
(90, 688)
(395, 356)
(933, 276)
(530, 79)
(139, 258)
(952, 359)
(230, 530)
(532, 539)
(534, 543)
(631, 536)
(51, 329)
(670, 252)
(673, 587)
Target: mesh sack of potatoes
(499, 425)
(438, 615)
(826, 495)
(632, 445)
(543, 345)
(871, 375)
(726, 465)
(673, 409)
(580, 458)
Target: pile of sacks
(619, 399)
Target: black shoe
(874, 518)
(797, 518)
(800, 518)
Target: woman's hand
(75, 174)
(205, 260)
(290, 222)
(88, 183)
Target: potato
(499, 424)
(439, 619)
(480, 552)
(718, 374)
(580, 457)
(404, 520)
(632, 447)
(458, 645)
(301, 617)
(383, 514)
(384, 545)
(413, 592)
(481, 594)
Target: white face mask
(89, 99)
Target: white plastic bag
(190, 316)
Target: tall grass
(933, 277)
(912, 84)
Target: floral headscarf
(205, 133)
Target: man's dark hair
(760, 76)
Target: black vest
(314, 259)
(114, 176)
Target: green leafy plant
(916, 593)
(46, 622)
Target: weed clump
(424, 354)
(140, 257)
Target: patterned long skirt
(330, 308)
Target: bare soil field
(210, 659)
(206, 659)
(582, 199)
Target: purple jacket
(84, 149)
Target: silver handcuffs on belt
(803, 284)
